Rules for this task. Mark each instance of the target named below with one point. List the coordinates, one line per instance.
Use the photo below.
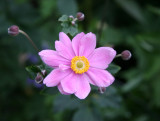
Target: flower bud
(13, 30)
(44, 72)
(71, 17)
(101, 90)
(126, 55)
(80, 16)
(39, 78)
(73, 23)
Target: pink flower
(77, 64)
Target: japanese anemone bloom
(77, 64)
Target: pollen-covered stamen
(79, 64)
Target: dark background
(123, 24)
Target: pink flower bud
(71, 17)
(13, 30)
(80, 16)
(39, 78)
(126, 55)
(73, 23)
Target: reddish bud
(80, 16)
(39, 78)
(13, 30)
(126, 55)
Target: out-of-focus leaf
(67, 27)
(110, 36)
(72, 30)
(132, 8)
(113, 69)
(156, 90)
(49, 91)
(84, 114)
(33, 68)
(68, 7)
(153, 9)
(109, 99)
(63, 18)
(63, 102)
(133, 83)
(47, 7)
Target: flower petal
(63, 50)
(55, 77)
(61, 90)
(65, 39)
(101, 57)
(76, 42)
(99, 77)
(63, 67)
(87, 44)
(69, 83)
(83, 87)
(52, 58)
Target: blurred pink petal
(83, 87)
(55, 76)
(63, 50)
(87, 44)
(101, 57)
(52, 58)
(69, 83)
(99, 77)
(62, 91)
(76, 42)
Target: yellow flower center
(79, 64)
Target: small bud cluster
(80, 17)
(40, 76)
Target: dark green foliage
(124, 24)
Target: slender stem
(75, 19)
(119, 55)
(30, 40)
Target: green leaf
(72, 30)
(47, 7)
(109, 99)
(84, 114)
(154, 10)
(113, 69)
(111, 36)
(132, 84)
(63, 102)
(133, 9)
(63, 18)
(49, 91)
(33, 68)
(68, 7)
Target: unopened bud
(73, 23)
(39, 78)
(13, 30)
(126, 55)
(71, 17)
(44, 72)
(101, 90)
(80, 16)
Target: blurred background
(123, 24)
